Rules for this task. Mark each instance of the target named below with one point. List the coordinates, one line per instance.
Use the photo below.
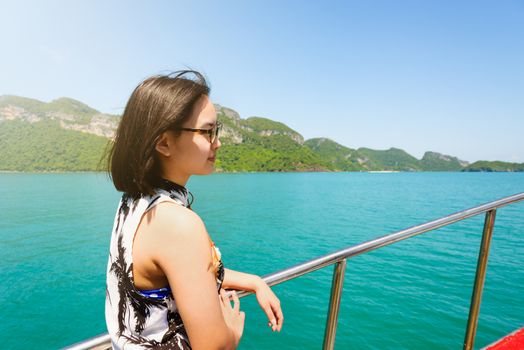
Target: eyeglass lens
(214, 133)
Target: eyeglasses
(212, 133)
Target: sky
(442, 76)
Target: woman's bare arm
(268, 301)
(241, 280)
(183, 253)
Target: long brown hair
(159, 103)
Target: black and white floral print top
(136, 319)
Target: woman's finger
(236, 302)
(277, 311)
(270, 316)
(224, 298)
(280, 317)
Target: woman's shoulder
(170, 218)
(179, 233)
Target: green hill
(433, 161)
(260, 144)
(68, 108)
(29, 104)
(45, 146)
(391, 159)
(483, 165)
(338, 156)
(68, 135)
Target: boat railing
(340, 257)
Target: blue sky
(445, 76)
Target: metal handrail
(340, 257)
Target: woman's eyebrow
(209, 123)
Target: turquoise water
(54, 239)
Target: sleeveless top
(144, 319)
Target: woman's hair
(158, 104)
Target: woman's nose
(217, 143)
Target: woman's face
(191, 153)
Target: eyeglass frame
(217, 126)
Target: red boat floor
(513, 341)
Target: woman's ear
(164, 145)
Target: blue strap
(156, 293)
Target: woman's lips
(211, 159)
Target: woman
(165, 279)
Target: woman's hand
(232, 315)
(270, 304)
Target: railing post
(334, 305)
(476, 297)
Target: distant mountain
(439, 162)
(68, 135)
(339, 157)
(391, 159)
(483, 165)
(45, 146)
(70, 114)
(261, 144)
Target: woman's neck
(176, 178)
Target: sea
(415, 294)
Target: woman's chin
(210, 168)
